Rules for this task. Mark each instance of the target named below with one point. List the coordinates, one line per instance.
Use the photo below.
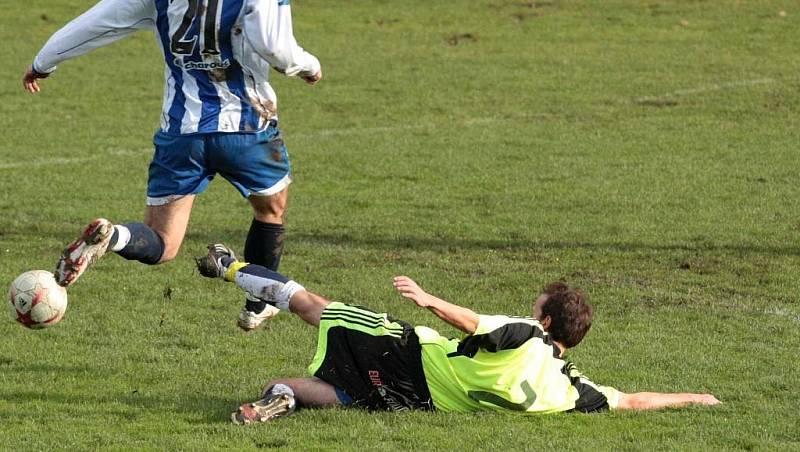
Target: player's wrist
(429, 300)
(38, 73)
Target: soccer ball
(36, 300)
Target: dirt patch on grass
(658, 102)
(457, 39)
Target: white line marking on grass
(46, 162)
(351, 130)
(780, 312)
(121, 151)
(723, 86)
(398, 127)
(709, 88)
(51, 161)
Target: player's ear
(545, 322)
(537, 306)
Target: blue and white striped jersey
(217, 56)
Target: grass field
(645, 151)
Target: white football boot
(249, 320)
(84, 251)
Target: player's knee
(269, 209)
(272, 214)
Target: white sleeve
(106, 22)
(267, 27)
(612, 395)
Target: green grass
(645, 151)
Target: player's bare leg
(281, 397)
(310, 392)
(269, 209)
(264, 246)
(169, 221)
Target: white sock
(123, 237)
(279, 388)
(285, 294)
(273, 292)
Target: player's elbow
(276, 54)
(470, 325)
(270, 50)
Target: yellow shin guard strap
(230, 273)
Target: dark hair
(570, 314)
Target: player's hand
(29, 80)
(406, 287)
(312, 79)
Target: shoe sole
(261, 411)
(84, 251)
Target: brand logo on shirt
(208, 65)
(375, 378)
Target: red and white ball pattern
(36, 300)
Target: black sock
(264, 246)
(145, 245)
(227, 261)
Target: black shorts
(373, 358)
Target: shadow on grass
(449, 244)
(208, 408)
(9, 364)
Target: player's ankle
(229, 270)
(255, 306)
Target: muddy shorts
(372, 358)
(256, 163)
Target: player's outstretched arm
(462, 318)
(106, 22)
(657, 400)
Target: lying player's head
(564, 313)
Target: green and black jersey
(509, 363)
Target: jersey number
(494, 399)
(184, 41)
